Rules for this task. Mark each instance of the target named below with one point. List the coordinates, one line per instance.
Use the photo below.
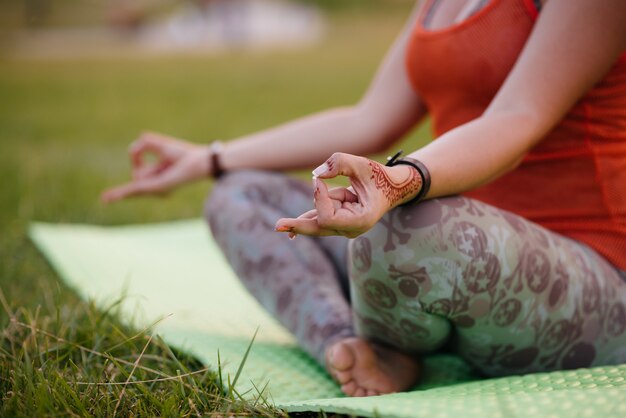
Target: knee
(238, 185)
(360, 254)
(229, 188)
(243, 192)
(398, 232)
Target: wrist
(409, 180)
(205, 168)
(420, 170)
(214, 160)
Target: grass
(64, 129)
(82, 362)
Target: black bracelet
(215, 162)
(421, 169)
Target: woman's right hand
(176, 162)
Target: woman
(521, 270)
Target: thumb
(339, 164)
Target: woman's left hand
(351, 211)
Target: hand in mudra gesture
(176, 162)
(351, 211)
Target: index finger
(147, 142)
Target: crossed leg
(302, 283)
(508, 295)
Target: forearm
(557, 66)
(478, 152)
(387, 111)
(305, 142)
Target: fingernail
(283, 228)
(322, 169)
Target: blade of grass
(162, 379)
(119, 401)
(260, 394)
(89, 350)
(219, 370)
(140, 333)
(245, 357)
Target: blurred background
(114, 28)
(79, 79)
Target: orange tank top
(574, 181)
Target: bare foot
(365, 369)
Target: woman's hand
(351, 211)
(177, 162)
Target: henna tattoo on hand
(395, 192)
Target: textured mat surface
(174, 271)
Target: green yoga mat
(176, 273)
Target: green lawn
(64, 129)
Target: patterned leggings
(505, 294)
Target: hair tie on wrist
(215, 152)
(421, 169)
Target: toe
(349, 388)
(372, 392)
(340, 357)
(343, 377)
(360, 392)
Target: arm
(389, 109)
(574, 44)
